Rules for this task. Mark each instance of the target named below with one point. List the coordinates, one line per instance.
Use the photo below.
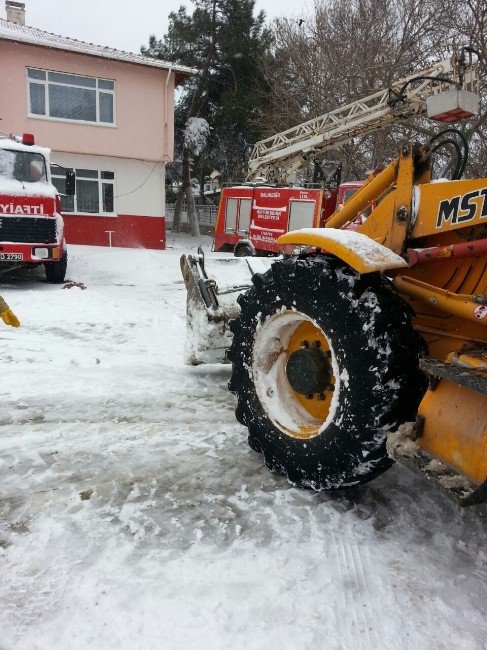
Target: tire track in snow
(347, 604)
(353, 591)
(359, 556)
(353, 576)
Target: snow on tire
(324, 365)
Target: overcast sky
(124, 24)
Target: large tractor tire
(324, 366)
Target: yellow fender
(357, 250)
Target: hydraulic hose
(462, 156)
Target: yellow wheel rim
(295, 414)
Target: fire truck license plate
(11, 257)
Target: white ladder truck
(446, 91)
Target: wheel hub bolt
(322, 396)
(305, 344)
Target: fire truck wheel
(324, 365)
(243, 250)
(56, 271)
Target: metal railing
(206, 214)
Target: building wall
(144, 105)
(139, 184)
(138, 220)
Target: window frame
(246, 230)
(34, 154)
(100, 181)
(231, 229)
(292, 202)
(237, 230)
(45, 83)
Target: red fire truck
(31, 226)
(252, 217)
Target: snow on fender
(355, 249)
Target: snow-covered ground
(134, 516)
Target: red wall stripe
(128, 231)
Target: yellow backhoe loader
(331, 348)
(363, 345)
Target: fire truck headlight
(41, 253)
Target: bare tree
(348, 49)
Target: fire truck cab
(31, 225)
(251, 217)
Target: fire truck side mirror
(70, 183)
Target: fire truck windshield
(24, 166)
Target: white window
(301, 214)
(64, 96)
(231, 215)
(244, 215)
(95, 191)
(238, 210)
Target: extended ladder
(279, 155)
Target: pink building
(106, 114)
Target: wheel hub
(308, 371)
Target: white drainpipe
(166, 111)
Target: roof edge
(17, 33)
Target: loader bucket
(213, 285)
